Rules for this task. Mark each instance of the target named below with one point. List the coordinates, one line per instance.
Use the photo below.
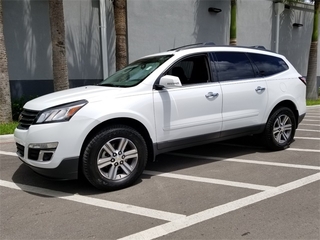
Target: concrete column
(278, 8)
(104, 43)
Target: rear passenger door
(244, 93)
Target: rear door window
(268, 65)
(233, 66)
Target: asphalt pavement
(229, 190)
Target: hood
(89, 93)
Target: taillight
(304, 80)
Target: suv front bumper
(66, 170)
(52, 150)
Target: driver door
(191, 113)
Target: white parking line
(303, 150)
(208, 180)
(303, 124)
(211, 213)
(8, 153)
(146, 212)
(311, 120)
(248, 161)
(307, 138)
(308, 130)
(258, 147)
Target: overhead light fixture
(297, 25)
(214, 10)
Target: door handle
(260, 89)
(212, 95)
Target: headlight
(60, 113)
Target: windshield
(135, 73)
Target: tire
(115, 158)
(280, 129)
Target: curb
(313, 106)
(6, 138)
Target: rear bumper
(66, 170)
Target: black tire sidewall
(269, 138)
(90, 167)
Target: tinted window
(268, 65)
(191, 70)
(233, 66)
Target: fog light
(41, 151)
(47, 156)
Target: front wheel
(115, 158)
(280, 129)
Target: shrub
(17, 106)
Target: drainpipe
(103, 34)
(278, 8)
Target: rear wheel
(115, 158)
(280, 129)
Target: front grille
(20, 150)
(27, 118)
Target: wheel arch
(138, 126)
(289, 104)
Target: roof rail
(259, 47)
(205, 44)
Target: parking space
(229, 190)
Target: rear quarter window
(268, 65)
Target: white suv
(184, 97)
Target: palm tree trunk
(59, 60)
(233, 23)
(5, 96)
(312, 91)
(120, 19)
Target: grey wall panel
(294, 42)
(155, 26)
(28, 41)
(27, 38)
(254, 23)
(83, 39)
(28, 44)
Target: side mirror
(169, 81)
